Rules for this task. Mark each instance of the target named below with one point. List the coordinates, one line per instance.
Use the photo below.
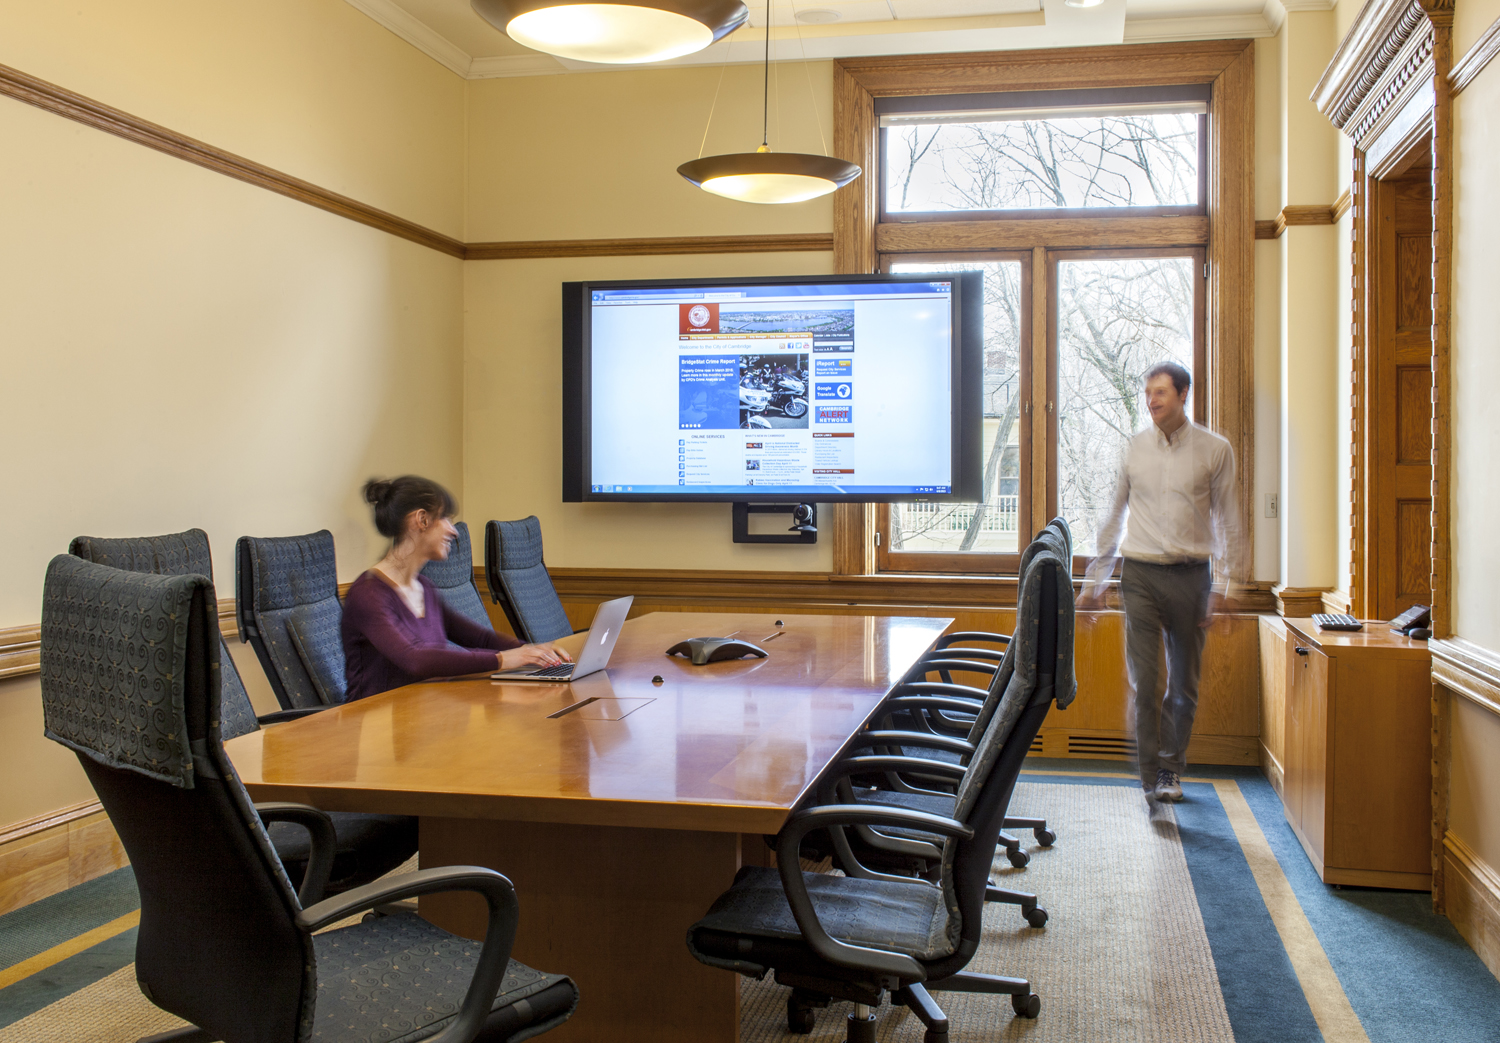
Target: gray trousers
(1168, 601)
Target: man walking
(1176, 502)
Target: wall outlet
(1271, 505)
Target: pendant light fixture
(612, 32)
(764, 176)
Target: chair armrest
(789, 842)
(323, 846)
(499, 937)
(940, 663)
(972, 635)
(870, 765)
(287, 715)
(931, 702)
(929, 740)
(988, 655)
(960, 691)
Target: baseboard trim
(53, 852)
(1472, 899)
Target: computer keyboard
(1336, 621)
(560, 670)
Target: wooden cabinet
(1358, 782)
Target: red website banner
(697, 318)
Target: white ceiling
(450, 31)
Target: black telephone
(1415, 618)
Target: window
(1070, 331)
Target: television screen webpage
(797, 389)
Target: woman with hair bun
(396, 628)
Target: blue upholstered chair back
(130, 682)
(518, 580)
(176, 554)
(454, 578)
(287, 596)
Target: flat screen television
(798, 389)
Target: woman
(396, 628)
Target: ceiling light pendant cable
(614, 32)
(764, 176)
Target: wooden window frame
(969, 561)
(1226, 231)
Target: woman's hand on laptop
(532, 655)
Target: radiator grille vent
(1036, 745)
(1100, 746)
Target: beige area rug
(1123, 959)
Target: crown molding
(1481, 54)
(417, 33)
(1206, 27)
(515, 65)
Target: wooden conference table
(619, 807)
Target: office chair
(906, 851)
(519, 583)
(130, 682)
(366, 846)
(454, 579)
(287, 599)
(947, 658)
(857, 936)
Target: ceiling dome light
(821, 16)
(764, 176)
(614, 33)
(1082, 3)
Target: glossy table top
(730, 746)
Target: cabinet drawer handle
(1301, 650)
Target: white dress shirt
(1176, 501)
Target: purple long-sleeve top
(386, 646)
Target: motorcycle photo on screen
(773, 391)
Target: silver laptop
(604, 631)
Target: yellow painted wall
(1267, 531)
(1309, 312)
(1470, 20)
(313, 88)
(182, 349)
(1476, 360)
(595, 155)
(1474, 779)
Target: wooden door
(1399, 370)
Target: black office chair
(906, 851)
(130, 682)
(519, 583)
(366, 846)
(857, 936)
(963, 651)
(454, 579)
(287, 598)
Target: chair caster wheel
(1026, 1006)
(1037, 918)
(1044, 837)
(799, 1019)
(1018, 858)
(861, 1030)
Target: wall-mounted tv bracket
(804, 517)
